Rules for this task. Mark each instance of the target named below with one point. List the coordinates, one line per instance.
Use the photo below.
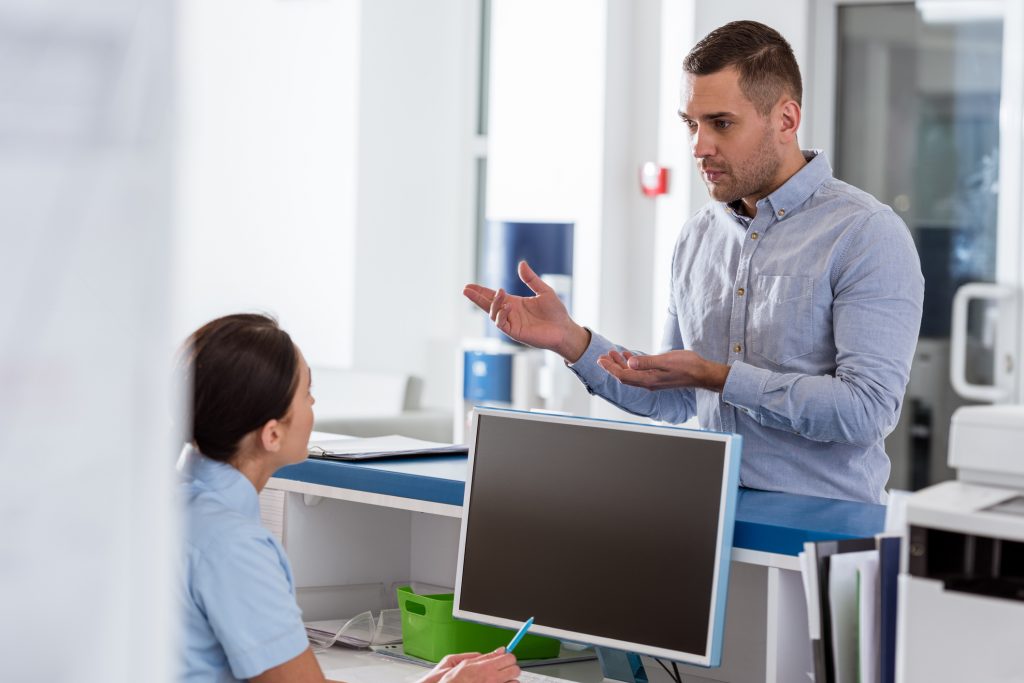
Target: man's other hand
(540, 320)
(672, 370)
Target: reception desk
(391, 521)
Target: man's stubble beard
(755, 175)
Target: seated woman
(252, 412)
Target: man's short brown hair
(760, 54)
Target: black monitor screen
(599, 530)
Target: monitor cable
(675, 677)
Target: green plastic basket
(430, 632)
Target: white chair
(368, 403)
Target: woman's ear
(271, 435)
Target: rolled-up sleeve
(876, 313)
(244, 589)
(669, 405)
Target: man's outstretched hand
(672, 370)
(540, 320)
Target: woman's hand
(472, 667)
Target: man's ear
(788, 120)
(270, 436)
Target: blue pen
(519, 635)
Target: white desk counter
(363, 666)
(397, 521)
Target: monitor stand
(618, 665)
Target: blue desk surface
(766, 521)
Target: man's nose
(702, 144)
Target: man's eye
(722, 125)
(691, 125)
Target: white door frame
(1010, 253)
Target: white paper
(809, 575)
(869, 638)
(377, 446)
(373, 673)
(896, 512)
(845, 611)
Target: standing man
(795, 298)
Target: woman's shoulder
(213, 527)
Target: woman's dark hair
(760, 54)
(244, 372)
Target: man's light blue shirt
(236, 587)
(815, 304)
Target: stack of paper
(851, 606)
(341, 448)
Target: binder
(818, 561)
(888, 571)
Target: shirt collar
(795, 191)
(801, 184)
(206, 473)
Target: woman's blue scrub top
(236, 587)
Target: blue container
(487, 377)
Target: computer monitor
(609, 533)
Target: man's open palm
(541, 320)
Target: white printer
(961, 585)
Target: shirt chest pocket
(781, 325)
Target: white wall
(414, 188)
(576, 97)
(574, 106)
(677, 37)
(545, 144)
(267, 176)
(630, 138)
(325, 175)
(89, 549)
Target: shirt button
(741, 291)
(753, 235)
(781, 213)
(737, 348)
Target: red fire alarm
(653, 179)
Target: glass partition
(918, 90)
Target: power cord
(674, 676)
